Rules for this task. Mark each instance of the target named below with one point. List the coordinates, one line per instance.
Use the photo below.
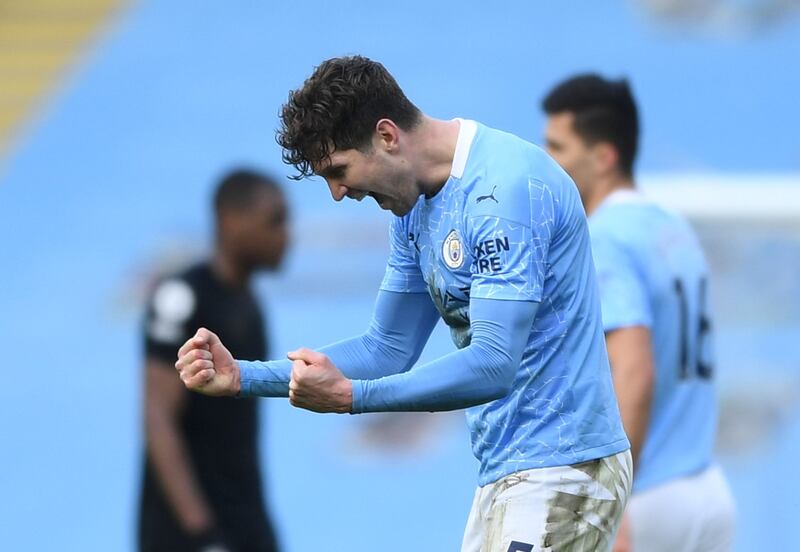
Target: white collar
(624, 195)
(466, 133)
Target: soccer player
(489, 234)
(201, 487)
(653, 283)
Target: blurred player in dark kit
(202, 486)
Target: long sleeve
(481, 372)
(400, 327)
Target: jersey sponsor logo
(487, 254)
(453, 250)
(489, 196)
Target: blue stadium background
(109, 183)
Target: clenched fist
(206, 366)
(317, 384)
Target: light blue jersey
(652, 272)
(508, 225)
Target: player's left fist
(317, 385)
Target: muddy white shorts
(574, 508)
(689, 514)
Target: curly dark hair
(604, 111)
(337, 108)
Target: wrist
(356, 393)
(237, 378)
(198, 521)
(209, 539)
(347, 401)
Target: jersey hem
(652, 482)
(585, 455)
(507, 298)
(615, 325)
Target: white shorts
(567, 508)
(689, 514)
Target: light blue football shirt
(652, 272)
(508, 225)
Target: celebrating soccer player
(490, 235)
(654, 293)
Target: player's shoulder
(512, 159)
(627, 213)
(195, 275)
(176, 295)
(513, 178)
(505, 154)
(631, 221)
(174, 306)
(633, 208)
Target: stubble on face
(568, 149)
(355, 175)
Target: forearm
(175, 473)
(634, 397)
(361, 357)
(400, 327)
(461, 379)
(481, 372)
(381, 351)
(633, 371)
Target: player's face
(569, 150)
(384, 177)
(264, 232)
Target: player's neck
(228, 271)
(434, 146)
(604, 188)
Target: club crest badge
(453, 250)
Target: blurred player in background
(654, 293)
(202, 487)
(489, 234)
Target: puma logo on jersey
(485, 197)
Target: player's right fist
(206, 366)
